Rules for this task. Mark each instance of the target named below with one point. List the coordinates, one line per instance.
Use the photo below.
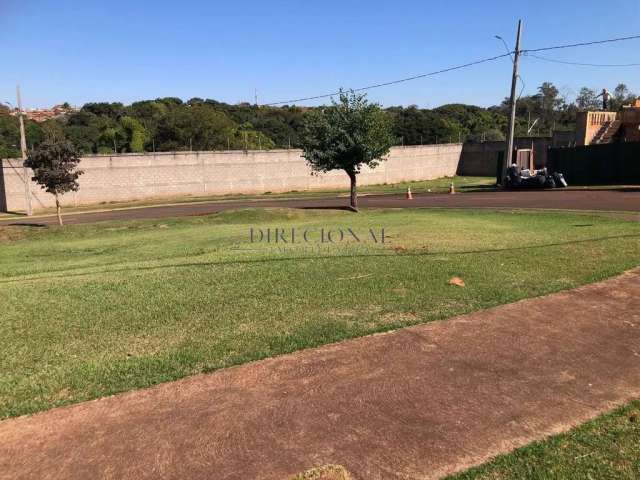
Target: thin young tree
(349, 134)
(54, 164)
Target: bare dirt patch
(10, 234)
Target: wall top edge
(235, 152)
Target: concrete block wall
(480, 159)
(166, 175)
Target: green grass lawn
(607, 448)
(92, 310)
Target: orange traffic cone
(409, 196)
(452, 188)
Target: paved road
(610, 200)
(420, 402)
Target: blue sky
(84, 50)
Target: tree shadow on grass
(342, 208)
(27, 225)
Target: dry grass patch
(395, 317)
(326, 472)
(10, 234)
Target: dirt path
(627, 200)
(415, 403)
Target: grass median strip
(92, 310)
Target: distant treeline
(170, 124)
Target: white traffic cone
(409, 196)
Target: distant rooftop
(44, 114)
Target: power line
(394, 82)
(459, 67)
(583, 44)
(554, 60)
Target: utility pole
(23, 150)
(512, 104)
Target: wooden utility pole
(512, 104)
(23, 150)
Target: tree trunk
(58, 210)
(354, 193)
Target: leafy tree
(547, 106)
(170, 101)
(622, 96)
(621, 92)
(199, 127)
(105, 109)
(413, 126)
(82, 129)
(549, 96)
(9, 135)
(490, 135)
(283, 125)
(52, 130)
(33, 132)
(469, 120)
(149, 113)
(345, 136)
(204, 124)
(137, 135)
(54, 165)
(250, 139)
(113, 138)
(550, 104)
(586, 99)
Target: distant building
(44, 114)
(609, 127)
(630, 119)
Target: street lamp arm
(506, 46)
